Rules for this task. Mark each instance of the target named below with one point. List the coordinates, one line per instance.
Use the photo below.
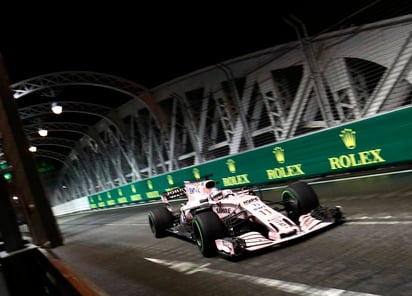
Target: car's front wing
(252, 241)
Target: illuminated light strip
(289, 287)
(126, 224)
(403, 217)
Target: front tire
(207, 227)
(160, 219)
(300, 199)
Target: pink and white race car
(233, 223)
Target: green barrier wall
(378, 141)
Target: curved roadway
(370, 254)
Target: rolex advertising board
(381, 140)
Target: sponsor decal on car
(248, 201)
(223, 210)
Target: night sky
(151, 44)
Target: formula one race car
(234, 223)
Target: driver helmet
(226, 192)
(216, 195)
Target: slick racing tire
(160, 219)
(207, 227)
(300, 199)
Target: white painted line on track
(126, 224)
(378, 222)
(347, 222)
(289, 287)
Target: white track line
(289, 287)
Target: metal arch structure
(50, 141)
(277, 89)
(117, 135)
(59, 126)
(119, 171)
(90, 140)
(59, 79)
(74, 168)
(103, 112)
(69, 106)
(69, 127)
(114, 140)
(54, 155)
(103, 168)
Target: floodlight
(56, 108)
(43, 132)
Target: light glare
(43, 132)
(56, 108)
(32, 148)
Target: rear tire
(207, 227)
(300, 199)
(160, 219)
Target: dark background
(154, 43)
(151, 44)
